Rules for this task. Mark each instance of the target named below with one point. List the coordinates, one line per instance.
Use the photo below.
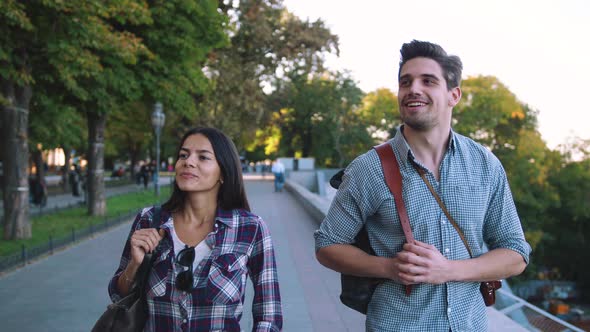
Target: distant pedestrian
(137, 173)
(75, 180)
(278, 169)
(38, 191)
(207, 245)
(145, 175)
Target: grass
(60, 224)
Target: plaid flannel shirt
(241, 246)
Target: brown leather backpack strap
(393, 178)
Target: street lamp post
(158, 119)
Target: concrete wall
(307, 179)
(303, 164)
(311, 180)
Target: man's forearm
(496, 264)
(348, 259)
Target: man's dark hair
(451, 64)
(232, 194)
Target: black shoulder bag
(129, 314)
(357, 291)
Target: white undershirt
(202, 250)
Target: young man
(470, 181)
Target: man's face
(424, 100)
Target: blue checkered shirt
(474, 188)
(241, 247)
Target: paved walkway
(67, 291)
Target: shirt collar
(405, 152)
(225, 217)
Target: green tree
(16, 30)
(54, 125)
(180, 37)
(313, 113)
(92, 60)
(490, 113)
(265, 42)
(381, 111)
(567, 244)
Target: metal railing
(530, 316)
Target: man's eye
(404, 83)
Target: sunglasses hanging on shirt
(186, 258)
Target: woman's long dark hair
(232, 194)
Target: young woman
(207, 244)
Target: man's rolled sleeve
(502, 224)
(349, 209)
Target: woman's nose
(190, 161)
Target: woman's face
(197, 169)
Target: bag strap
(141, 278)
(443, 207)
(393, 178)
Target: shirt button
(449, 310)
(447, 250)
(443, 222)
(184, 321)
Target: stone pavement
(68, 290)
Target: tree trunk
(65, 179)
(3, 120)
(16, 152)
(95, 187)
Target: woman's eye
(182, 156)
(204, 158)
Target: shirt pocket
(468, 206)
(226, 279)
(159, 277)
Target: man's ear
(454, 96)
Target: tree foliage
(265, 41)
(83, 59)
(312, 113)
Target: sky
(540, 49)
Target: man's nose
(415, 87)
